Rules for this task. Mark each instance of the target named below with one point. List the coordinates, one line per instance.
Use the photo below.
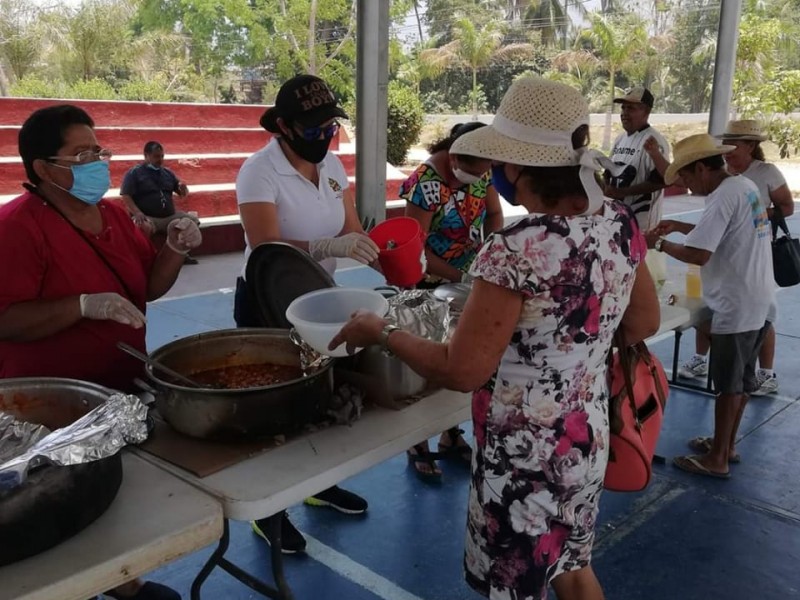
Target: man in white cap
(639, 185)
(731, 243)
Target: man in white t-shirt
(640, 184)
(731, 242)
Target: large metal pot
(243, 413)
(396, 379)
(54, 503)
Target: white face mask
(466, 178)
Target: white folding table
(155, 519)
(267, 484)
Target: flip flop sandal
(420, 455)
(454, 451)
(703, 444)
(692, 464)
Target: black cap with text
(305, 99)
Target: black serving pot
(54, 503)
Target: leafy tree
(34, 87)
(405, 119)
(691, 58)
(614, 40)
(472, 48)
(91, 40)
(20, 38)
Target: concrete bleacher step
(205, 145)
(121, 140)
(193, 168)
(14, 111)
(211, 180)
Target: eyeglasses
(312, 133)
(87, 156)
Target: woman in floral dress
(550, 292)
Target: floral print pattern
(456, 231)
(541, 422)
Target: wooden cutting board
(201, 457)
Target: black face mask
(313, 151)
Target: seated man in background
(147, 193)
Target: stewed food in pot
(247, 376)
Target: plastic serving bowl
(320, 315)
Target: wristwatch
(659, 244)
(385, 333)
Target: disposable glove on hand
(111, 307)
(183, 235)
(351, 245)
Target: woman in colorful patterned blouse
(532, 342)
(453, 199)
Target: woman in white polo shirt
(295, 191)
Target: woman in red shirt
(76, 273)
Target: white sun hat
(746, 129)
(533, 127)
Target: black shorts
(733, 360)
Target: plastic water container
(320, 315)
(694, 284)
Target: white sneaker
(767, 384)
(697, 366)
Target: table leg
(675, 352)
(212, 561)
(217, 559)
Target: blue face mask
(90, 182)
(503, 186)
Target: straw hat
(533, 126)
(691, 149)
(746, 129)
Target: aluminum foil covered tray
(100, 433)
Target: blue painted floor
(683, 538)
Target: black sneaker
(149, 591)
(342, 500)
(189, 260)
(292, 541)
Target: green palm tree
(549, 17)
(614, 41)
(474, 48)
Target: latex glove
(111, 307)
(351, 245)
(183, 235)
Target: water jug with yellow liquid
(694, 285)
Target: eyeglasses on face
(87, 156)
(313, 133)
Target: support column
(724, 65)
(372, 83)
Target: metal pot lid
(277, 273)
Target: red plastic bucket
(402, 245)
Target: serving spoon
(157, 365)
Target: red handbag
(638, 396)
